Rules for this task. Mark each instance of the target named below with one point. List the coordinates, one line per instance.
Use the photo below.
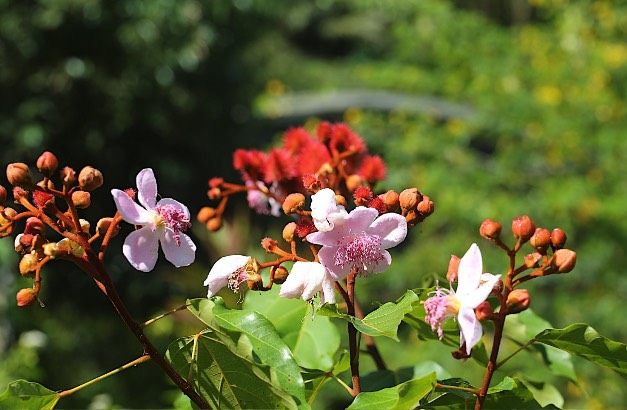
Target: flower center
(172, 218)
(440, 307)
(241, 275)
(359, 251)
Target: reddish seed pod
(558, 238)
(518, 300)
(47, 163)
(205, 214)
(541, 239)
(293, 203)
(280, 275)
(523, 227)
(289, 231)
(90, 178)
(18, 174)
(564, 260)
(26, 297)
(490, 229)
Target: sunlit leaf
(401, 397)
(582, 340)
(22, 394)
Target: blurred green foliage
(177, 86)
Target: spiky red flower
(363, 193)
(279, 166)
(40, 198)
(304, 226)
(344, 139)
(311, 158)
(324, 131)
(297, 139)
(372, 169)
(378, 204)
(249, 162)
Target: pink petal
(392, 228)
(141, 248)
(329, 238)
(130, 211)
(182, 255)
(469, 272)
(174, 203)
(381, 265)
(219, 274)
(146, 188)
(360, 219)
(471, 330)
(326, 255)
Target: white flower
(325, 212)
(473, 287)
(305, 280)
(229, 271)
(162, 222)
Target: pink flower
(163, 221)
(305, 280)
(231, 271)
(325, 212)
(262, 203)
(360, 242)
(473, 287)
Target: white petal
(147, 188)
(141, 248)
(469, 272)
(219, 274)
(470, 328)
(473, 299)
(323, 203)
(392, 228)
(313, 282)
(130, 211)
(328, 290)
(305, 280)
(182, 255)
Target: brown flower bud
(453, 268)
(541, 239)
(205, 213)
(9, 213)
(18, 174)
(214, 224)
(28, 263)
(89, 178)
(68, 176)
(47, 163)
(523, 227)
(3, 195)
(103, 226)
(34, 226)
(409, 199)
(413, 217)
(51, 249)
(81, 199)
(558, 238)
(256, 282)
(340, 200)
(269, 244)
(353, 182)
(391, 200)
(532, 260)
(564, 260)
(289, 231)
(484, 311)
(214, 193)
(85, 225)
(426, 206)
(26, 297)
(293, 203)
(490, 229)
(518, 300)
(280, 275)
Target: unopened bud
(256, 282)
(490, 229)
(289, 231)
(541, 239)
(558, 238)
(28, 263)
(47, 163)
(413, 217)
(426, 206)
(81, 199)
(269, 244)
(214, 193)
(353, 182)
(518, 300)
(532, 260)
(89, 178)
(215, 182)
(391, 200)
(340, 200)
(205, 213)
(50, 249)
(214, 224)
(409, 199)
(280, 275)
(293, 203)
(484, 311)
(453, 268)
(18, 174)
(71, 247)
(523, 227)
(26, 297)
(3, 195)
(34, 226)
(85, 225)
(68, 176)
(311, 183)
(9, 213)
(564, 260)
(103, 226)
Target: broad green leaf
(314, 341)
(401, 397)
(224, 378)
(509, 394)
(314, 379)
(264, 340)
(22, 394)
(523, 327)
(383, 321)
(581, 340)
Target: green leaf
(404, 396)
(314, 341)
(22, 394)
(582, 340)
(224, 378)
(266, 343)
(314, 379)
(383, 321)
